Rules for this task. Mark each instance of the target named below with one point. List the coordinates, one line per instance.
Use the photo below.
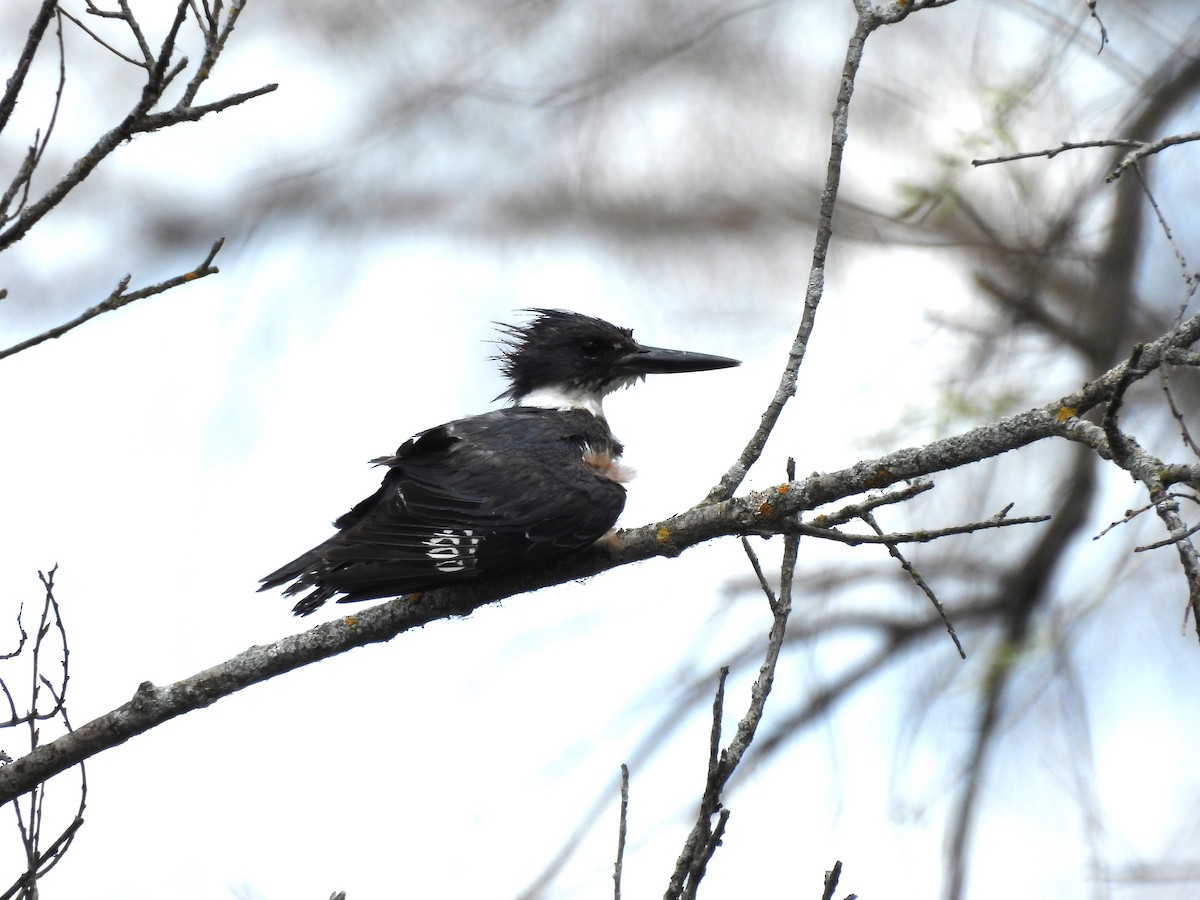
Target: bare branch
(1091, 5)
(920, 582)
(1166, 542)
(214, 44)
(1131, 514)
(8, 102)
(178, 114)
(869, 19)
(622, 831)
(755, 513)
(160, 73)
(1139, 150)
(99, 40)
(786, 389)
(30, 814)
(702, 842)
(148, 61)
(758, 573)
(1000, 520)
(705, 836)
(119, 298)
(1052, 152)
(22, 180)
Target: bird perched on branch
(502, 490)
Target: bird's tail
(300, 571)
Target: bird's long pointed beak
(658, 360)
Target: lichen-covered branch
(769, 511)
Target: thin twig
(1167, 542)
(1091, 5)
(177, 114)
(758, 573)
(1000, 520)
(1133, 157)
(622, 830)
(854, 511)
(1052, 152)
(31, 816)
(160, 72)
(214, 44)
(99, 40)
(786, 389)
(119, 298)
(1139, 150)
(16, 81)
(920, 582)
(168, 46)
(1131, 514)
(700, 846)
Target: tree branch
(159, 75)
(119, 298)
(770, 511)
(17, 80)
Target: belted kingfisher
(502, 490)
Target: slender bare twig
(1000, 520)
(1131, 514)
(23, 179)
(854, 511)
(1139, 150)
(1133, 157)
(920, 582)
(622, 832)
(758, 573)
(786, 389)
(99, 40)
(1166, 542)
(214, 45)
(705, 836)
(1091, 5)
(1185, 433)
(869, 19)
(702, 842)
(161, 71)
(1051, 152)
(16, 81)
(30, 816)
(119, 298)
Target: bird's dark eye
(592, 348)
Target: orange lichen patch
(782, 489)
(820, 521)
(1066, 412)
(663, 535)
(765, 509)
(189, 276)
(349, 621)
(607, 466)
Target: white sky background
(169, 455)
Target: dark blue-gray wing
(487, 494)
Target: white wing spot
(451, 550)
